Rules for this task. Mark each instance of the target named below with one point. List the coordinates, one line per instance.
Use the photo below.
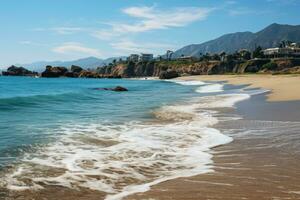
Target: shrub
(270, 66)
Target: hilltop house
(140, 58)
(133, 58)
(144, 57)
(186, 58)
(291, 50)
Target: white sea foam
(121, 160)
(182, 82)
(210, 88)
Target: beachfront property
(140, 58)
(186, 58)
(145, 57)
(292, 50)
(133, 57)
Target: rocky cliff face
(143, 69)
(168, 69)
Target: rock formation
(169, 74)
(53, 72)
(18, 71)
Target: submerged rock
(119, 89)
(116, 89)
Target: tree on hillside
(215, 57)
(206, 57)
(257, 53)
(246, 55)
(222, 55)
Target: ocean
(63, 132)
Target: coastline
(237, 166)
(262, 162)
(282, 87)
(245, 168)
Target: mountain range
(270, 36)
(86, 63)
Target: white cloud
(26, 42)
(247, 11)
(31, 43)
(143, 19)
(240, 11)
(284, 2)
(149, 18)
(63, 30)
(129, 46)
(76, 49)
(67, 30)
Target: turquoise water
(33, 110)
(63, 132)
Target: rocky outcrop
(18, 71)
(169, 74)
(250, 66)
(169, 69)
(76, 69)
(53, 72)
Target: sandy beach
(263, 160)
(282, 87)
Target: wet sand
(282, 87)
(263, 161)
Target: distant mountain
(89, 62)
(271, 36)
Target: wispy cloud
(76, 48)
(32, 43)
(68, 30)
(240, 11)
(150, 18)
(63, 30)
(285, 2)
(246, 11)
(120, 35)
(129, 46)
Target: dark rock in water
(119, 89)
(76, 69)
(169, 74)
(116, 89)
(18, 71)
(52, 72)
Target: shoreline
(282, 87)
(253, 166)
(225, 158)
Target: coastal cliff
(168, 69)
(144, 69)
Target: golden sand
(282, 87)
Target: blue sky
(35, 30)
